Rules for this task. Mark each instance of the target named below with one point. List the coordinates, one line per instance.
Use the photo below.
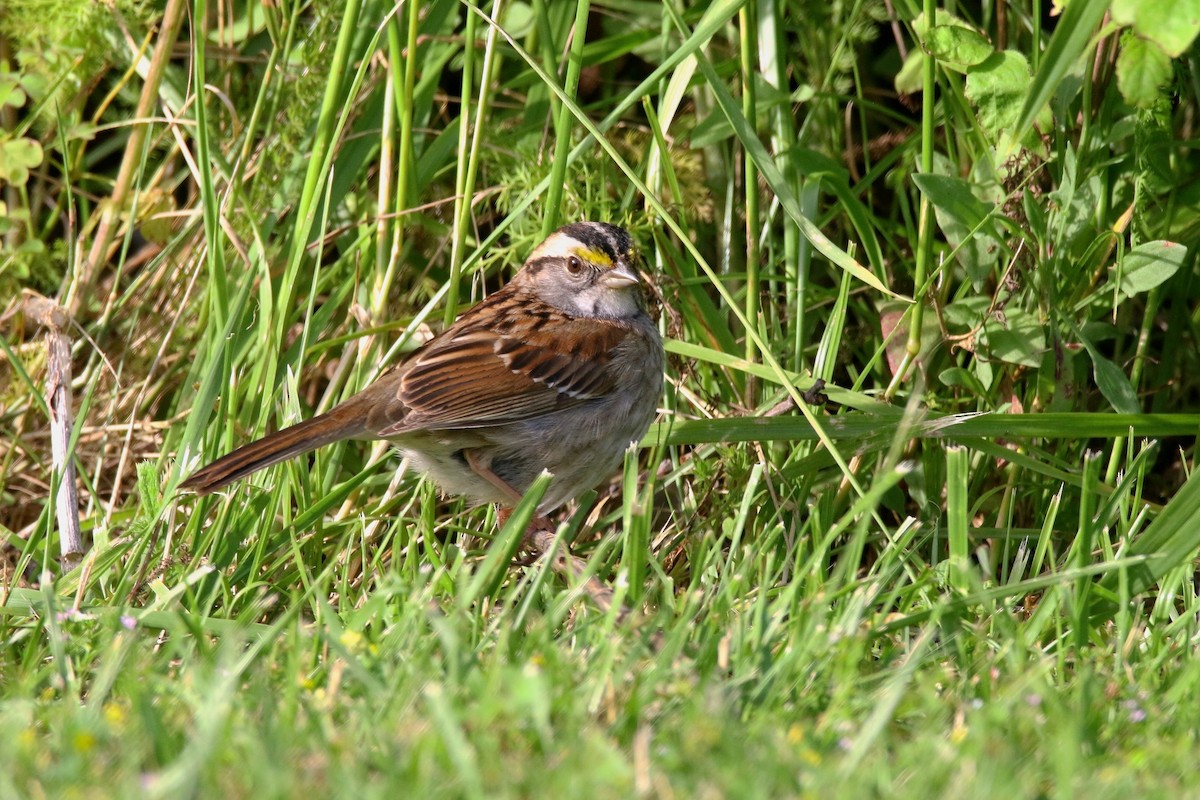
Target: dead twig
(54, 319)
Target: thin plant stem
(562, 120)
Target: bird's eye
(574, 265)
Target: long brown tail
(339, 423)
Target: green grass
(970, 572)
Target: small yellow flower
(115, 715)
(27, 738)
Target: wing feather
(479, 374)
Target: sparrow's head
(586, 269)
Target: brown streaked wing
(475, 377)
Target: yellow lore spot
(593, 256)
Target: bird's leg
(530, 556)
(540, 521)
(503, 512)
(540, 535)
(539, 524)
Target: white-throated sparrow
(559, 370)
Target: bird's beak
(620, 276)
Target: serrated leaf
(958, 47)
(11, 93)
(17, 156)
(1143, 68)
(1149, 265)
(1171, 24)
(908, 79)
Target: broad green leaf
(957, 376)
(965, 314)
(908, 79)
(953, 197)
(958, 47)
(1015, 337)
(1112, 382)
(1143, 69)
(518, 18)
(1149, 264)
(997, 88)
(966, 222)
(941, 19)
(1171, 24)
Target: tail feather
(338, 424)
